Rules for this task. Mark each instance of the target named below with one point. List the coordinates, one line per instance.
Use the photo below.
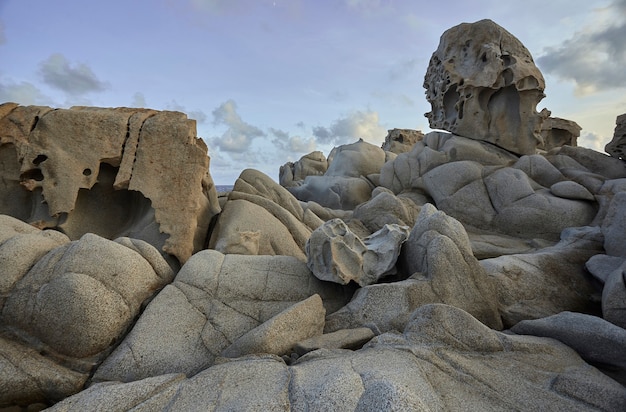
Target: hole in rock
(34, 174)
(508, 60)
(87, 172)
(449, 103)
(508, 76)
(40, 159)
(483, 58)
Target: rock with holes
(482, 83)
(557, 132)
(401, 140)
(110, 171)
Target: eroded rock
(482, 83)
(148, 168)
(336, 254)
(617, 146)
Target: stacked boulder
(476, 268)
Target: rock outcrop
(482, 83)
(482, 268)
(113, 172)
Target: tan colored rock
(401, 140)
(141, 172)
(616, 147)
(557, 132)
(482, 83)
(80, 297)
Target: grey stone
(597, 341)
(280, 334)
(340, 339)
(336, 254)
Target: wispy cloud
(358, 124)
(24, 93)
(239, 135)
(595, 57)
(292, 145)
(75, 80)
(198, 115)
(139, 100)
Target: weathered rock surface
(428, 367)
(557, 132)
(259, 205)
(439, 257)
(548, 281)
(282, 332)
(616, 147)
(141, 171)
(80, 297)
(401, 140)
(597, 341)
(336, 254)
(348, 180)
(214, 300)
(482, 83)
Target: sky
(269, 81)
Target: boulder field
(479, 267)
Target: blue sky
(271, 80)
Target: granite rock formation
(82, 169)
(482, 83)
(482, 268)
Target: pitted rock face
(482, 83)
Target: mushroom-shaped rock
(482, 83)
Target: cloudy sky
(271, 80)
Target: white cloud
(23, 93)
(139, 100)
(239, 135)
(75, 80)
(292, 145)
(358, 124)
(595, 57)
(197, 115)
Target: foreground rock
(214, 300)
(91, 166)
(65, 304)
(428, 367)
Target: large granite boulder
(64, 305)
(293, 173)
(401, 140)
(482, 83)
(214, 301)
(113, 172)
